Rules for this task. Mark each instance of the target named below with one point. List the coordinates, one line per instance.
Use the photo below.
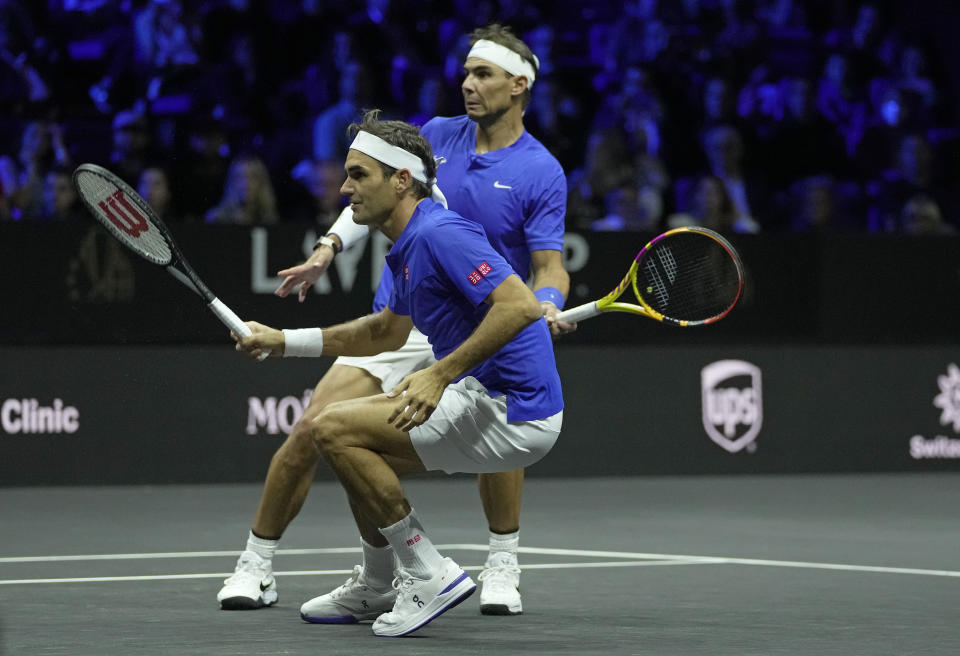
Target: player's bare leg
(291, 472)
(367, 453)
(501, 495)
(293, 466)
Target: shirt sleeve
(464, 255)
(546, 214)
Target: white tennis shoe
(500, 594)
(251, 585)
(420, 601)
(352, 602)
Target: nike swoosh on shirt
(500, 186)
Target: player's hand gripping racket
(686, 276)
(131, 220)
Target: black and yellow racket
(686, 277)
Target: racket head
(688, 276)
(124, 213)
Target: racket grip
(579, 313)
(231, 321)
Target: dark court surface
(839, 564)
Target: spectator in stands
(723, 147)
(841, 101)
(636, 37)
(555, 118)
(430, 101)
(144, 53)
(861, 41)
(42, 149)
(131, 144)
(670, 70)
(330, 128)
(154, 186)
(799, 142)
(709, 206)
(162, 40)
(248, 197)
(238, 84)
(608, 166)
(628, 210)
(321, 180)
(915, 173)
(60, 200)
(8, 182)
(813, 206)
(20, 82)
(921, 216)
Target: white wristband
(302, 342)
(349, 232)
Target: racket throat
(179, 275)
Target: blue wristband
(551, 294)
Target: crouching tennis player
(491, 403)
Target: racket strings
(689, 277)
(121, 213)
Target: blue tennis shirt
(518, 193)
(443, 270)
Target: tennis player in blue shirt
(490, 402)
(492, 172)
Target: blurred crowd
(741, 115)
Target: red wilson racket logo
(123, 214)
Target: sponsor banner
(732, 401)
(109, 415)
(93, 291)
(942, 447)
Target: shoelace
(247, 568)
(498, 574)
(402, 583)
(349, 583)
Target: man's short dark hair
(504, 36)
(403, 135)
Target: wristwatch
(328, 241)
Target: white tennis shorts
(393, 366)
(468, 432)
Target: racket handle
(231, 320)
(579, 313)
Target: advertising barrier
(79, 286)
(205, 414)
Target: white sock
(413, 548)
(261, 547)
(378, 566)
(504, 543)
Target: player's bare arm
(369, 335)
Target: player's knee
(329, 430)
(299, 449)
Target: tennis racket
(133, 222)
(686, 277)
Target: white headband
(391, 155)
(505, 58)
(398, 158)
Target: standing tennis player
(490, 402)
(498, 175)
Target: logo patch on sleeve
(479, 273)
